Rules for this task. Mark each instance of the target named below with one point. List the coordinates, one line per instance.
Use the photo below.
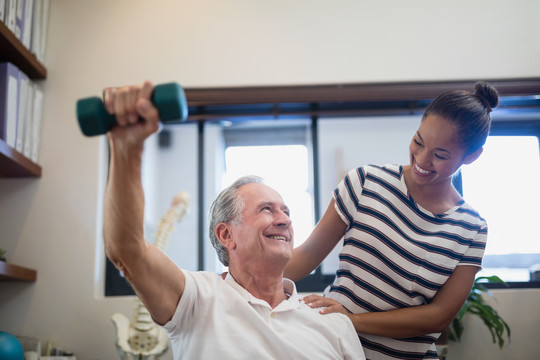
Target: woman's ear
(224, 235)
(469, 159)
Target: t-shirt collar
(288, 286)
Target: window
(283, 167)
(279, 152)
(191, 157)
(504, 186)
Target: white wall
(52, 223)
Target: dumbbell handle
(169, 99)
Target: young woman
(412, 246)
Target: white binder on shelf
(39, 28)
(35, 39)
(2, 10)
(27, 33)
(37, 116)
(27, 138)
(22, 116)
(11, 12)
(19, 19)
(44, 27)
(9, 92)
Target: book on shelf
(2, 10)
(28, 25)
(9, 93)
(44, 27)
(40, 21)
(36, 120)
(28, 21)
(22, 115)
(36, 28)
(19, 19)
(21, 104)
(11, 12)
(27, 133)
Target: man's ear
(224, 235)
(469, 159)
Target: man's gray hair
(227, 208)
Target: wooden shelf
(10, 272)
(15, 164)
(12, 162)
(13, 50)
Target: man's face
(264, 234)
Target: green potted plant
(3, 255)
(476, 305)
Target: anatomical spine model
(142, 339)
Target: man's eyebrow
(264, 204)
(272, 204)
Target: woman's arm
(318, 245)
(411, 321)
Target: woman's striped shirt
(396, 254)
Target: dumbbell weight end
(169, 99)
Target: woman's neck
(437, 198)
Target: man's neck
(265, 286)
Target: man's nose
(282, 218)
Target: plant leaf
(476, 305)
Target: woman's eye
(440, 157)
(417, 142)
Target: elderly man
(252, 313)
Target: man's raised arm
(158, 282)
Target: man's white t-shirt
(219, 319)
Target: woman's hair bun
(487, 94)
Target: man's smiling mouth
(278, 237)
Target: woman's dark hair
(469, 111)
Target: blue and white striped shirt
(396, 254)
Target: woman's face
(435, 151)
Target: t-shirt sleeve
(474, 254)
(186, 307)
(199, 289)
(347, 193)
(350, 342)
